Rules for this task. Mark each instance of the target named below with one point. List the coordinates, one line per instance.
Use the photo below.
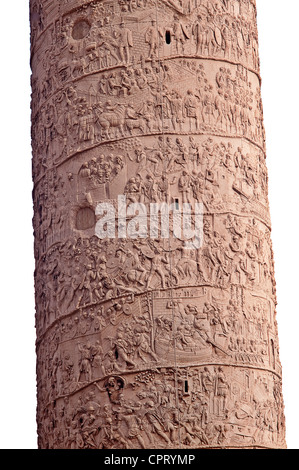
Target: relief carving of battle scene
(195, 407)
(144, 342)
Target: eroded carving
(143, 342)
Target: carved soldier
(158, 261)
(190, 109)
(227, 39)
(221, 390)
(125, 42)
(200, 35)
(156, 421)
(134, 425)
(108, 46)
(85, 362)
(132, 98)
(152, 37)
(179, 34)
(184, 184)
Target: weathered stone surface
(143, 342)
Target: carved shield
(218, 36)
(148, 253)
(112, 264)
(127, 309)
(186, 31)
(130, 38)
(240, 40)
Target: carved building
(142, 343)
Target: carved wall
(141, 343)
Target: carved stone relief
(141, 342)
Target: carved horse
(117, 119)
(112, 119)
(138, 123)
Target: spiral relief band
(155, 287)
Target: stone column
(146, 340)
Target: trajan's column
(146, 340)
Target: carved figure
(145, 110)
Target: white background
(279, 42)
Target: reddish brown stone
(143, 342)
